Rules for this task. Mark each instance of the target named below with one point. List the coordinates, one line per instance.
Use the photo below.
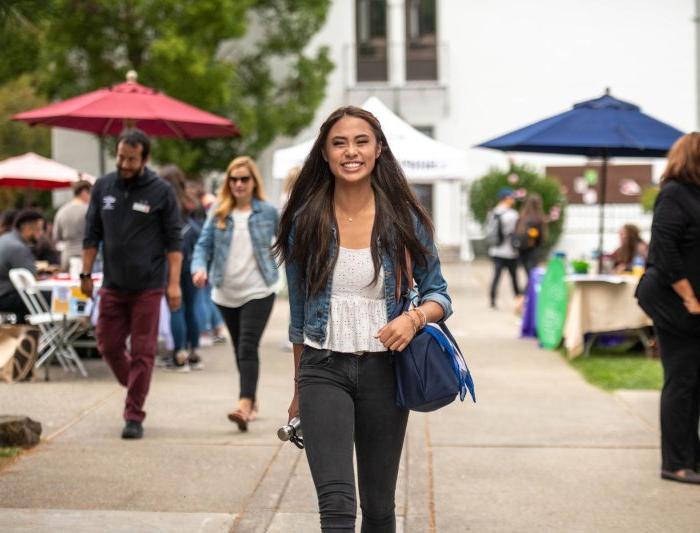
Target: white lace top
(357, 307)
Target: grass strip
(612, 371)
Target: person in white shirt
(233, 252)
(503, 254)
(69, 223)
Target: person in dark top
(530, 232)
(133, 213)
(15, 252)
(668, 292)
(183, 322)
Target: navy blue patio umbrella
(601, 128)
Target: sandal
(240, 418)
(253, 413)
(688, 476)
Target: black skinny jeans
(680, 400)
(346, 398)
(499, 263)
(246, 324)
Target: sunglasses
(242, 179)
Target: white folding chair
(57, 331)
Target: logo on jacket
(108, 202)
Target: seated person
(631, 246)
(16, 253)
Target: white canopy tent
(424, 160)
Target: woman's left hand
(397, 334)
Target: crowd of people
(515, 238)
(353, 238)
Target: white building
(464, 71)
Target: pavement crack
(82, 415)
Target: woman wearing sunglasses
(233, 253)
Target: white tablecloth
(599, 305)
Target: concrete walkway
(540, 451)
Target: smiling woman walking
(350, 227)
(234, 251)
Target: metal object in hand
(292, 432)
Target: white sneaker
(205, 341)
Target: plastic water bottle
(638, 266)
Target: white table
(601, 304)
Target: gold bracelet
(413, 322)
(423, 316)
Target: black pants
(529, 259)
(346, 398)
(499, 263)
(246, 324)
(680, 400)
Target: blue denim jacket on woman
(309, 314)
(212, 248)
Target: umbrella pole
(102, 155)
(601, 209)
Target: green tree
(483, 195)
(16, 138)
(19, 37)
(243, 59)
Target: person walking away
(211, 324)
(133, 213)
(530, 233)
(668, 292)
(15, 252)
(234, 252)
(69, 223)
(184, 322)
(501, 251)
(350, 229)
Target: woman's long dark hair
(532, 213)
(311, 213)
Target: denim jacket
(212, 248)
(309, 314)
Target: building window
(370, 22)
(421, 40)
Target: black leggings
(246, 324)
(680, 400)
(499, 263)
(346, 399)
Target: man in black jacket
(133, 213)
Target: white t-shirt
(509, 218)
(243, 281)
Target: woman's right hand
(293, 407)
(692, 305)
(199, 278)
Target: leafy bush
(648, 198)
(483, 195)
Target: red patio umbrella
(37, 172)
(109, 110)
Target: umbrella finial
(132, 76)
(607, 91)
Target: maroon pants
(136, 314)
